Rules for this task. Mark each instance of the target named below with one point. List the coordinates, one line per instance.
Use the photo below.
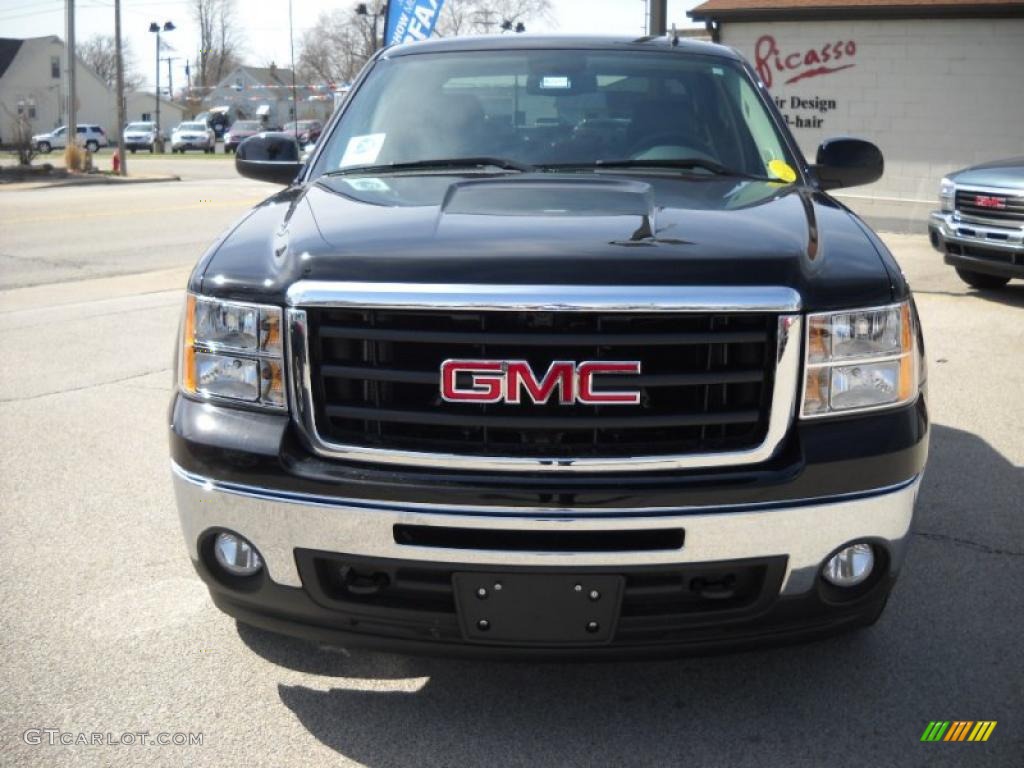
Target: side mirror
(272, 157)
(845, 162)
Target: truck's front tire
(982, 281)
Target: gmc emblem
(509, 381)
(987, 201)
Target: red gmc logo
(510, 381)
(986, 201)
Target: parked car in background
(140, 136)
(306, 131)
(240, 131)
(90, 136)
(193, 135)
(979, 227)
(217, 119)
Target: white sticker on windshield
(363, 150)
(368, 185)
(555, 83)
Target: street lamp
(154, 27)
(364, 10)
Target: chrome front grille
(717, 386)
(993, 205)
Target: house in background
(142, 106)
(32, 85)
(265, 93)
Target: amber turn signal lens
(188, 350)
(907, 362)
(818, 340)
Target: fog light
(236, 555)
(850, 566)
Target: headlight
(860, 360)
(232, 350)
(947, 193)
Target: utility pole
(170, 75)
(156, 90)
(291, 42)
(485, 18)
(659, 17)
(120, 89)
(71, 133)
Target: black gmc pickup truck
(552, 347)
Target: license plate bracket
(538, 608)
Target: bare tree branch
(221, 42)
(338, 45)
(99, 53)
(475, 17)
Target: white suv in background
(141, 135)
(90, 136)
(193, 135)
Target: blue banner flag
(410, 20)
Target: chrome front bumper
(1008, 238)
(806, 532)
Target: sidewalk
(93, 289)
(80, 179)
(905, 217)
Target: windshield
(246, 125)
(140, 127)
(192, 127)
(547, 108)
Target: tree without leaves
(475, 17)
(20, 140)
(220, 42)
(337, 46)
(341, 41)
(99, 53)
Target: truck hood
(1001, 173)
(599, 229)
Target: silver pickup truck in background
(980, 224)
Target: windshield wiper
(688, 163)
(440, 164)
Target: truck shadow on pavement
(1011, 295)
(947, 648)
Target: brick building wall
(934, 94)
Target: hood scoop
(542, 198)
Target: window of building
(55, 67)
(147, 117)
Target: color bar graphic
(958, 730)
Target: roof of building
(264, 75)
(752, 10)
(9, 48)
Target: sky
(266, 24)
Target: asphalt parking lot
(107, 629)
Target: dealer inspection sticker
(362, 150)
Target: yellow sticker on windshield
(780, 170)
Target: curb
(85, 181)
